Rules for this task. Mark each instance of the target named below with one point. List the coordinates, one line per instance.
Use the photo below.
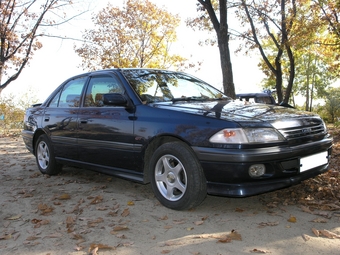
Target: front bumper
(226, 170)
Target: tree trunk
(221, 28)
(226, 66)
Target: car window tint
(71, 93)
(162, 86)
(263, 100)
(55, 100)
(99, 86)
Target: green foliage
(12, 111)
(11, 116)
(330, 112)
(313, 59)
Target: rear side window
(70, 94)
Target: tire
(45, 157)
(177, 178)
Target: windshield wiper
(192, 98)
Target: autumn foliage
(137, 35)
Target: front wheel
(178, 181)
(45, 156)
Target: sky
(57, 61)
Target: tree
(138, 35)
(277, 19)
(333, 103)
(20, 25)
(302, 59)
(217, 11)
(12, 110)
(328, 13)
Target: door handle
(47, 119)
(83, 121)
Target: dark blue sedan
(177, 132)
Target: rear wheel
(45, 156)
(178, 181)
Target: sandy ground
(81, 212)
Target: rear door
(105, 132)
(60, 119)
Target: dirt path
(78, 210)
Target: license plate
(312, 161)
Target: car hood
(245, 114)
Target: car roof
(253, 95)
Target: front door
(105, 134)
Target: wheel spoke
(180, 185)
(43, 155)
(170, 177)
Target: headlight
(248, 135)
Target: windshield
(166, 86)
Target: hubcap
(171, 177)
(43, 155)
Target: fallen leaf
(120, 228)
(316, 232)
(165, 251)
(102, 208)
(234, 235)
(199, 222)
(292, 219)
(165, 217)
(78, 248)
(64, 196)
(94, 223)
(94, 251)
(113, 213)
(130, 203)
(69, 222)
(205, 217)
(306, 237)
(306, 209)
(96, 247)
(35, 221)
(45, 209)
(16, 217)
(41, 223)
(178, 222)
(270, 224)
(239, 210)
(32, 238)
(319, 220)
(329, 234)
(6, 237)
(259, 251)
(55, 235)
(224, 239)
(126, 212)
(96, 200)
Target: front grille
(303, 132)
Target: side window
(70, 95)
(55, 100)
(98, 86)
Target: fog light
(257, 170)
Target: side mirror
(114, 99)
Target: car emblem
(306, 130)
